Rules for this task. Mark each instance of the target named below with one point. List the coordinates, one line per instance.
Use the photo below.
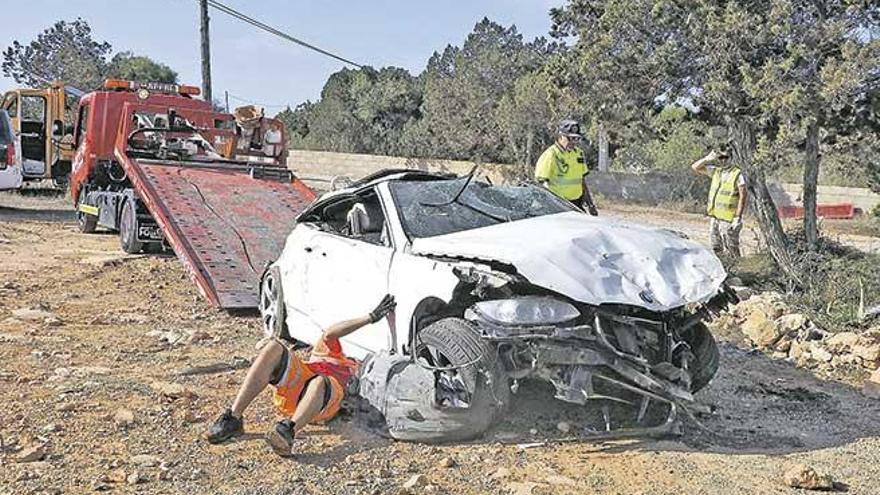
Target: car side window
(10, 105)
(357, 217)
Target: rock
(27, 314)
(820, 353)
(521, 488)
(802, 476)
(116, 476)
(742, 292)
(32, 454)
(100, 485)
(867, 351)
(533, 431)
(791, 323)
(171, 390)
(145, 460)
(416, 481)
(446, 462)
(500, 473)
(50, 428)
(563, 426)
(66, 407)
(198, 336)
(135, 478)
(799, 351)
(762, 331)
(871, 388)
(123, 418)
(558, 479)
(839, 343)
(52, 321)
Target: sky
(257, 67)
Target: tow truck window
(33, 109)
(82, 123)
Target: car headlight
(527, 310)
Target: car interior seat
(365, 221)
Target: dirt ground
(123, 327)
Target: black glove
(591, 208)
(385, 306)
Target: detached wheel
(471, 389)
(273, 315)
(706, 356)
(128, 229)
(87, 223)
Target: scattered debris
(500, 473)
(32, 314)
(198, 336)
(563, 426)
(135, 478)
(522, 488)
(171, 390)
(145, 460)
(802, 476)
(446, 462)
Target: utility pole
(206, 53)
(227, 100)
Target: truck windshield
(430, 208)
(153, 135)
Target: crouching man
(304, 391)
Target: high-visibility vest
(564, 171)
(724, 194)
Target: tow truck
(166, 170)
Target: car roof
(386, 175)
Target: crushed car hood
(592, 260)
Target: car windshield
(430, 208)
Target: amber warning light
(154, 87)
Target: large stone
(762, 331)
(868, 351)
(28, 314)
(171, 390)
(791, 323)
(415, 482)
(805, 477)
(842, 342)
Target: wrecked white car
(496, 284)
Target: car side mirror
(58, 129)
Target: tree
(66, 52)
(635, 54)
(126, 65)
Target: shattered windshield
(168, 136)
(430, 208)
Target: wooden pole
(206, 52)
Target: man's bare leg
(258, 376)
(230, 424)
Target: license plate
(149, 233)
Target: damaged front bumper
(590, 362)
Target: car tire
(706, 356)
(87, 223)
(273, 314)
(450, 343)
(128, 228)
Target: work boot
(226, 427)
(280, 438)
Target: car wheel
(86, 223)
(706, 356)
(272, 312)
(461, 362)
(128, 229)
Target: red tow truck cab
(166, 170)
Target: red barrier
(835, 211)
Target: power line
(242, 17)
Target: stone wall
(651, 188)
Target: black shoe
(280, 438)
(226, 427)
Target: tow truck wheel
(128, 229)
(87, 223)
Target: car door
(10, 171)
(345, 277)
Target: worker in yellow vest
(727, 201)
(562, 168)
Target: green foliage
(126, 65)
(67, 52)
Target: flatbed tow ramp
(226, 222)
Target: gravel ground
(119, 328)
